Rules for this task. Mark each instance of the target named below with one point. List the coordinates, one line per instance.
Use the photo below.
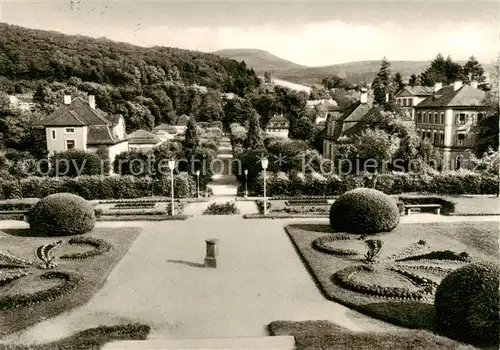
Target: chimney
(67, 99)
(92, 101)
(457, 85)
(438, 86)
(473, 84)
(364, 96)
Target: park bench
(14, 213)
(410, 207)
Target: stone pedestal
(212, 252)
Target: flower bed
(11, 275)
(410, 250)
(129, 205)
(11, 259)
(323, 244)
(440, 255)
(100, 245)
(345, 279)
(70, 283)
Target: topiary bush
(62, 214)
(364, 211)
(467, 304)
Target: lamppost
(171, 166)
(265, 163)
(246, 182)
(198, 184)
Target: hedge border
(101, 247)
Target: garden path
(162, 282)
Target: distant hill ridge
(355, 72)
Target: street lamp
(246, 182)
(198, 183)
(265, 163)
(171, 166)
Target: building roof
(143, 137)
(466, 96)
(79, 113)
(278, 121)
(182, 120)
(416, 90)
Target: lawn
(399, 306)
(475, 205)
(91, 273)
(326, 335)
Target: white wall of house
(277, 132)
(119, 128)
(143, 147)
(57, 138)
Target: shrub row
(315, 184)
(98, 187)
(128, 205)
(344, 279)
(71, 282)
(429, 268)
(440, 255)
(228, 208)
(294, 202)
(323, 245)
(308, 210)
(260, 206)
(100, 245)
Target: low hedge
(449, 183)
(440, 255)
(260, 206)
(228, 208)
(98, 187)
(71, 282)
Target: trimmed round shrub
(467, 304)
(364, 211)
(62, 214)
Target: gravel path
(162, 282)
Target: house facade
(345, 122)
(446, 119)
(278, 126)
(409, 97)
(79, 124)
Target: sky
(307, 33)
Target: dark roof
(416, 91)
(350, 120)
(278, 119)
(466, 96)
(77, 113)
(101, 135)
(182, 120)
(143, 137)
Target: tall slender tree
(398, 82)
(255, 139)
(413, 80)
(191, 140)
(382, 85)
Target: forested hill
(27, 54)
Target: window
(442, 118)
(404, 102)
(479, 117)
(441, 138)
(429, 135)
(461, 119)
(460, 139)
(424, 118)
(419, 118)
(410, 102)
(70, 144)
(436, 118)
(53, 133)
(69, 130)
(434, 137)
